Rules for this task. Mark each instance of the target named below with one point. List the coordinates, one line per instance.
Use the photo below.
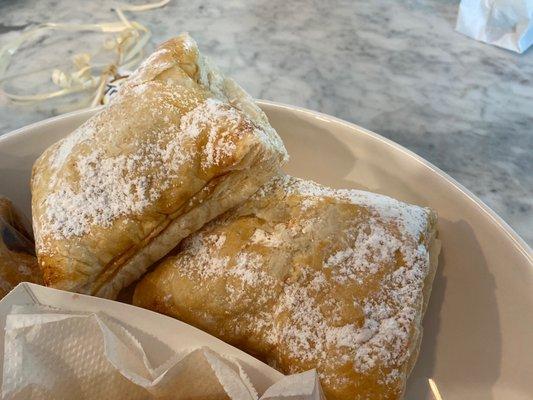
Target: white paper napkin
(503, 23)
(57, 354)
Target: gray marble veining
(395, 67)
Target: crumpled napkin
(58, 354)
(503, 23)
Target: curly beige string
(130, 38)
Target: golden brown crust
(112, 197)
(303, 277)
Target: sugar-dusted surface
(321, 278)
(369, 246)
(111, 186)
(395, 67)
(155, 164)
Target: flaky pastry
(303, 277)
(178, 145)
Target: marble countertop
(395, 67)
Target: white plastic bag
(503, 23)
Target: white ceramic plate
(478, 330)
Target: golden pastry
(163, 158)
(17, 254)
(305, 276)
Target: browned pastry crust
(305, 277)
(162, 159)
(17, 261)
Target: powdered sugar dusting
(110, 186)
(201, 258)
(249, 269)
(390, 313)
(371, 247)
(327, 315)
(411, 218)
(207, 263)
(125, 184)
(219, 143)
(114, 185)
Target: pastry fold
(178, 145)
(304, 276)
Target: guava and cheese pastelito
(178, 145)
(304, 276)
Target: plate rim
(518, 242)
